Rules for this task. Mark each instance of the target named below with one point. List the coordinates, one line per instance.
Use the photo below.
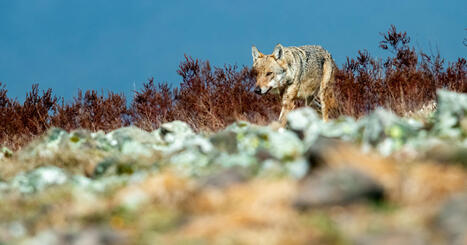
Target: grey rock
(226, 178)
(45, 237)
(446, 153)
(38, 179)
(93, 236)
(309, 126)
(115, 166)
(392, 238)
(316, 153)
(387, 132)
(45, 146)
(88, 236)
(381, 129)
(173, 131)
(101, 185)
(132, 141)
(239, 127)
(303, 119)
(341, 186)
(225, 141)
(452, 219)
(5, 153)
(451, 109)
(283, 144)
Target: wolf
(305, 72)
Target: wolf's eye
(269, 74)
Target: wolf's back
(309, 60)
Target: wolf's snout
(258, 90)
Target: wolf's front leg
(286, 108)
(287, 104)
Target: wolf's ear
(255, 53)
(278, 51)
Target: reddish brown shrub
(152, 106)
(92, 111)
(211, 98)
(21, 122)
(401, 83)
(207, 99)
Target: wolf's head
(270, 69)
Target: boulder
(38, 179)
(451, 110)
(452, 219)
(342, 186)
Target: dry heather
(211, 98)
(404, 82)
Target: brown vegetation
(210, 98)
(403, 83)
(207, 99)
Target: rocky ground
(377, 180)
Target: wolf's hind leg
(324, 107)
(313, 102)
(326, 94)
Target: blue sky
(116, 45)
